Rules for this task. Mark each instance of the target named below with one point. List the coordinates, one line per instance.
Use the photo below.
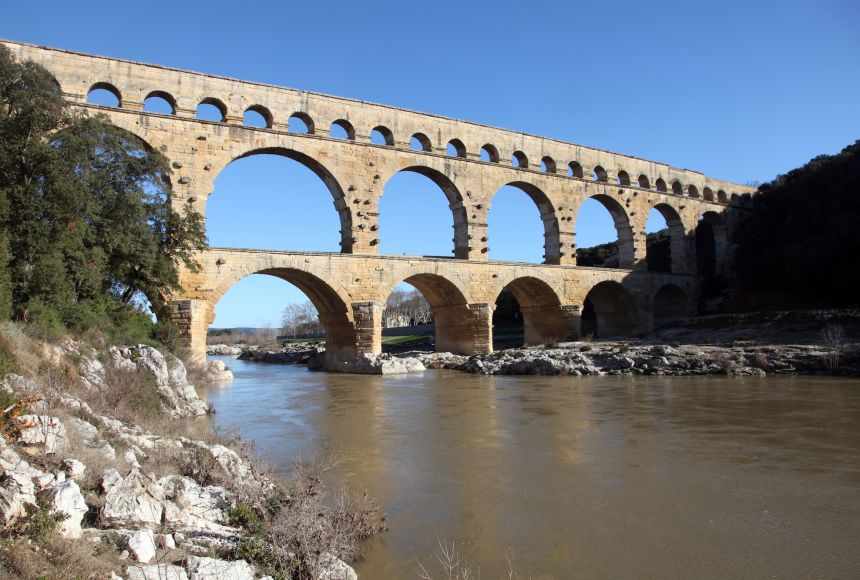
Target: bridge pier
(192, 318)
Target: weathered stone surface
(217, 372)
(223, 349)
(66, 498)
(212, 569)
(141, 544)
(189, 506)
(42, 431)
(74, 468)
(332, 568)
(135, 501)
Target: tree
(92, 221)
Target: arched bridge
(355, 148)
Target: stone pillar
(192, 318)
(482, 317)
(368, 327)
(464, 328)
(573, 320)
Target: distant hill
(606, 255)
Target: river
(577, 477)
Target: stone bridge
(355, 148)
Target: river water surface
(578, 477)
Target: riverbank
(109, 467)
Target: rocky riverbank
(145, 499)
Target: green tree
(85, 215)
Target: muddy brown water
(577, 477)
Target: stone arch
(330, 181)
(548, 164)
(574, 169)
(623, 228)
(551, 237)
(544, 319)
(670, 304)
(520, 160)
(708, 194)
(264, 112)
(385, 135)
(692, 191)
(346, 127)
(310, 128)
(599, 174)
(217, 103)
(677, 237)
(644, 182)
(492, 154)
(660, 185)
(423, 142)
(711, 243)
(722, 197)
(163, 95)
(333, 311)
(456, 148)
(455, 203)
(104, 86)
(677, 188)
(610, 310)
(453, 320)
(622, 178)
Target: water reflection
(609, 477)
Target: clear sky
(738, 90)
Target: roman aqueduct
(355, 147)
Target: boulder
(141, 544)
(17, 496)
(73, 468)
(190, 506)
(42, 431)
(132, 502)
(66, 498)
(331, 567)
(212, 569)
(217, 372)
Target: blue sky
(739, 90)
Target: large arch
(610, 310)
(455, 203)
(677, 238)
(623, 229)
(453, 320)
(543, 319)
(333, 311)
(711, 243)
(670, 304)
(331, 183)
(551, 238)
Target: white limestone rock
(42, 431)
(141, 544)
(191, 507)
(217, 372)
(135, 501)
(17, 496)
(212, 569)
(66, 498)
(331, 567)
(74, 468)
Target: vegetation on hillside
(86, 226)
(800, 247)
(606, 255)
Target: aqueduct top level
(355, 147)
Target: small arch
(574, 169)
(644, 182)
(300, 122)
(693, 191)
(677, 188)
(722, 197)
(455, 148)
(382, 135)
(519, 160)
(609, 310)
(160, 102)
(670, 305)
(104, 95)
(708, 194)
(547, 164)
(677, 240)
(535, 309)
(212, 109)
(489, 154)
(257, 116)
(660, 185)
(342, 129)
(711, 243)
(622, 178)
(420, 142)
(599, 174)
